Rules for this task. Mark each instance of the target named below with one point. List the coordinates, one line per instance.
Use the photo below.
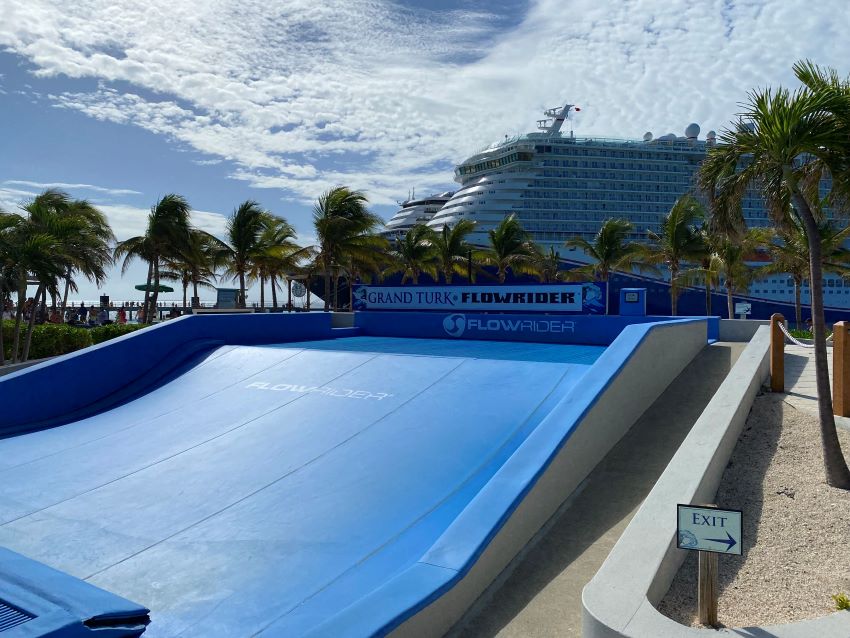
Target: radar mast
(555, 118)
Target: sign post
(742, 309)
(710, 531)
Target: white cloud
(130, 221)
(300, 95)
(65, 186)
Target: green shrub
(801, 334)
(49, 340)
(841, 602)
(112, 330)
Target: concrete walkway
(800, 385)
(539, 595)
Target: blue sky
(121, 102)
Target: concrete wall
(620, 396)
(740, 329)
(619, 600)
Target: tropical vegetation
(785, 142)
(677, 243)
(610, 251)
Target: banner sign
(575, 298)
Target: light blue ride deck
(268, 488)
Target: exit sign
(709, 529)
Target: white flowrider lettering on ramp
(345, 393)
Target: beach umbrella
(152, 288)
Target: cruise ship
(415, 211)
(560, 186)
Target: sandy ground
(796, 528)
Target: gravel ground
(796, 528)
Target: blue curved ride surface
(268, 489)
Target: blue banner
(586, 298)
(576, 329)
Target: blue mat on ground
(277, 485)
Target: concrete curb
(620, 599)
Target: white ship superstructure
(561, 186)
(415, 211)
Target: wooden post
(707, 588)
(841, 369)
(777, 354)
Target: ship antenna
(555, 118)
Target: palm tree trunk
(336, 290)
(447, 273)
(798, 306)
(262, 292)
(155, 297)
(837, 473)
(607, 294)
(39, 299)
(2, 324)
(195, 290)
(707, 296)
(185, 291)
(242, 301)
(327, 289)
(729, 301)
(674, 272)
(148, 282)
(65, 294)
(19, 313)
(274, 292)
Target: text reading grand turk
(518, 298)
(412, 297)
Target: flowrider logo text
(456, 325)
(328, 391)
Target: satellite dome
(711, 135)
(692, 130)
(647, 136)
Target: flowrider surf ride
(269, 475)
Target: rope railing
(797, 342)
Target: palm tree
(30, 248)
(244, 228)
(546, 264)
(610, 252)
(194, 264)
(710, 266)
(413, 255)
(275, 253)
(732, 255)
(790, 255)
(89, 252)
(781, 140)
(167, 233)
(54, 237)
(345, 232)
(451, 248)
(510, 248)
(678, 242)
